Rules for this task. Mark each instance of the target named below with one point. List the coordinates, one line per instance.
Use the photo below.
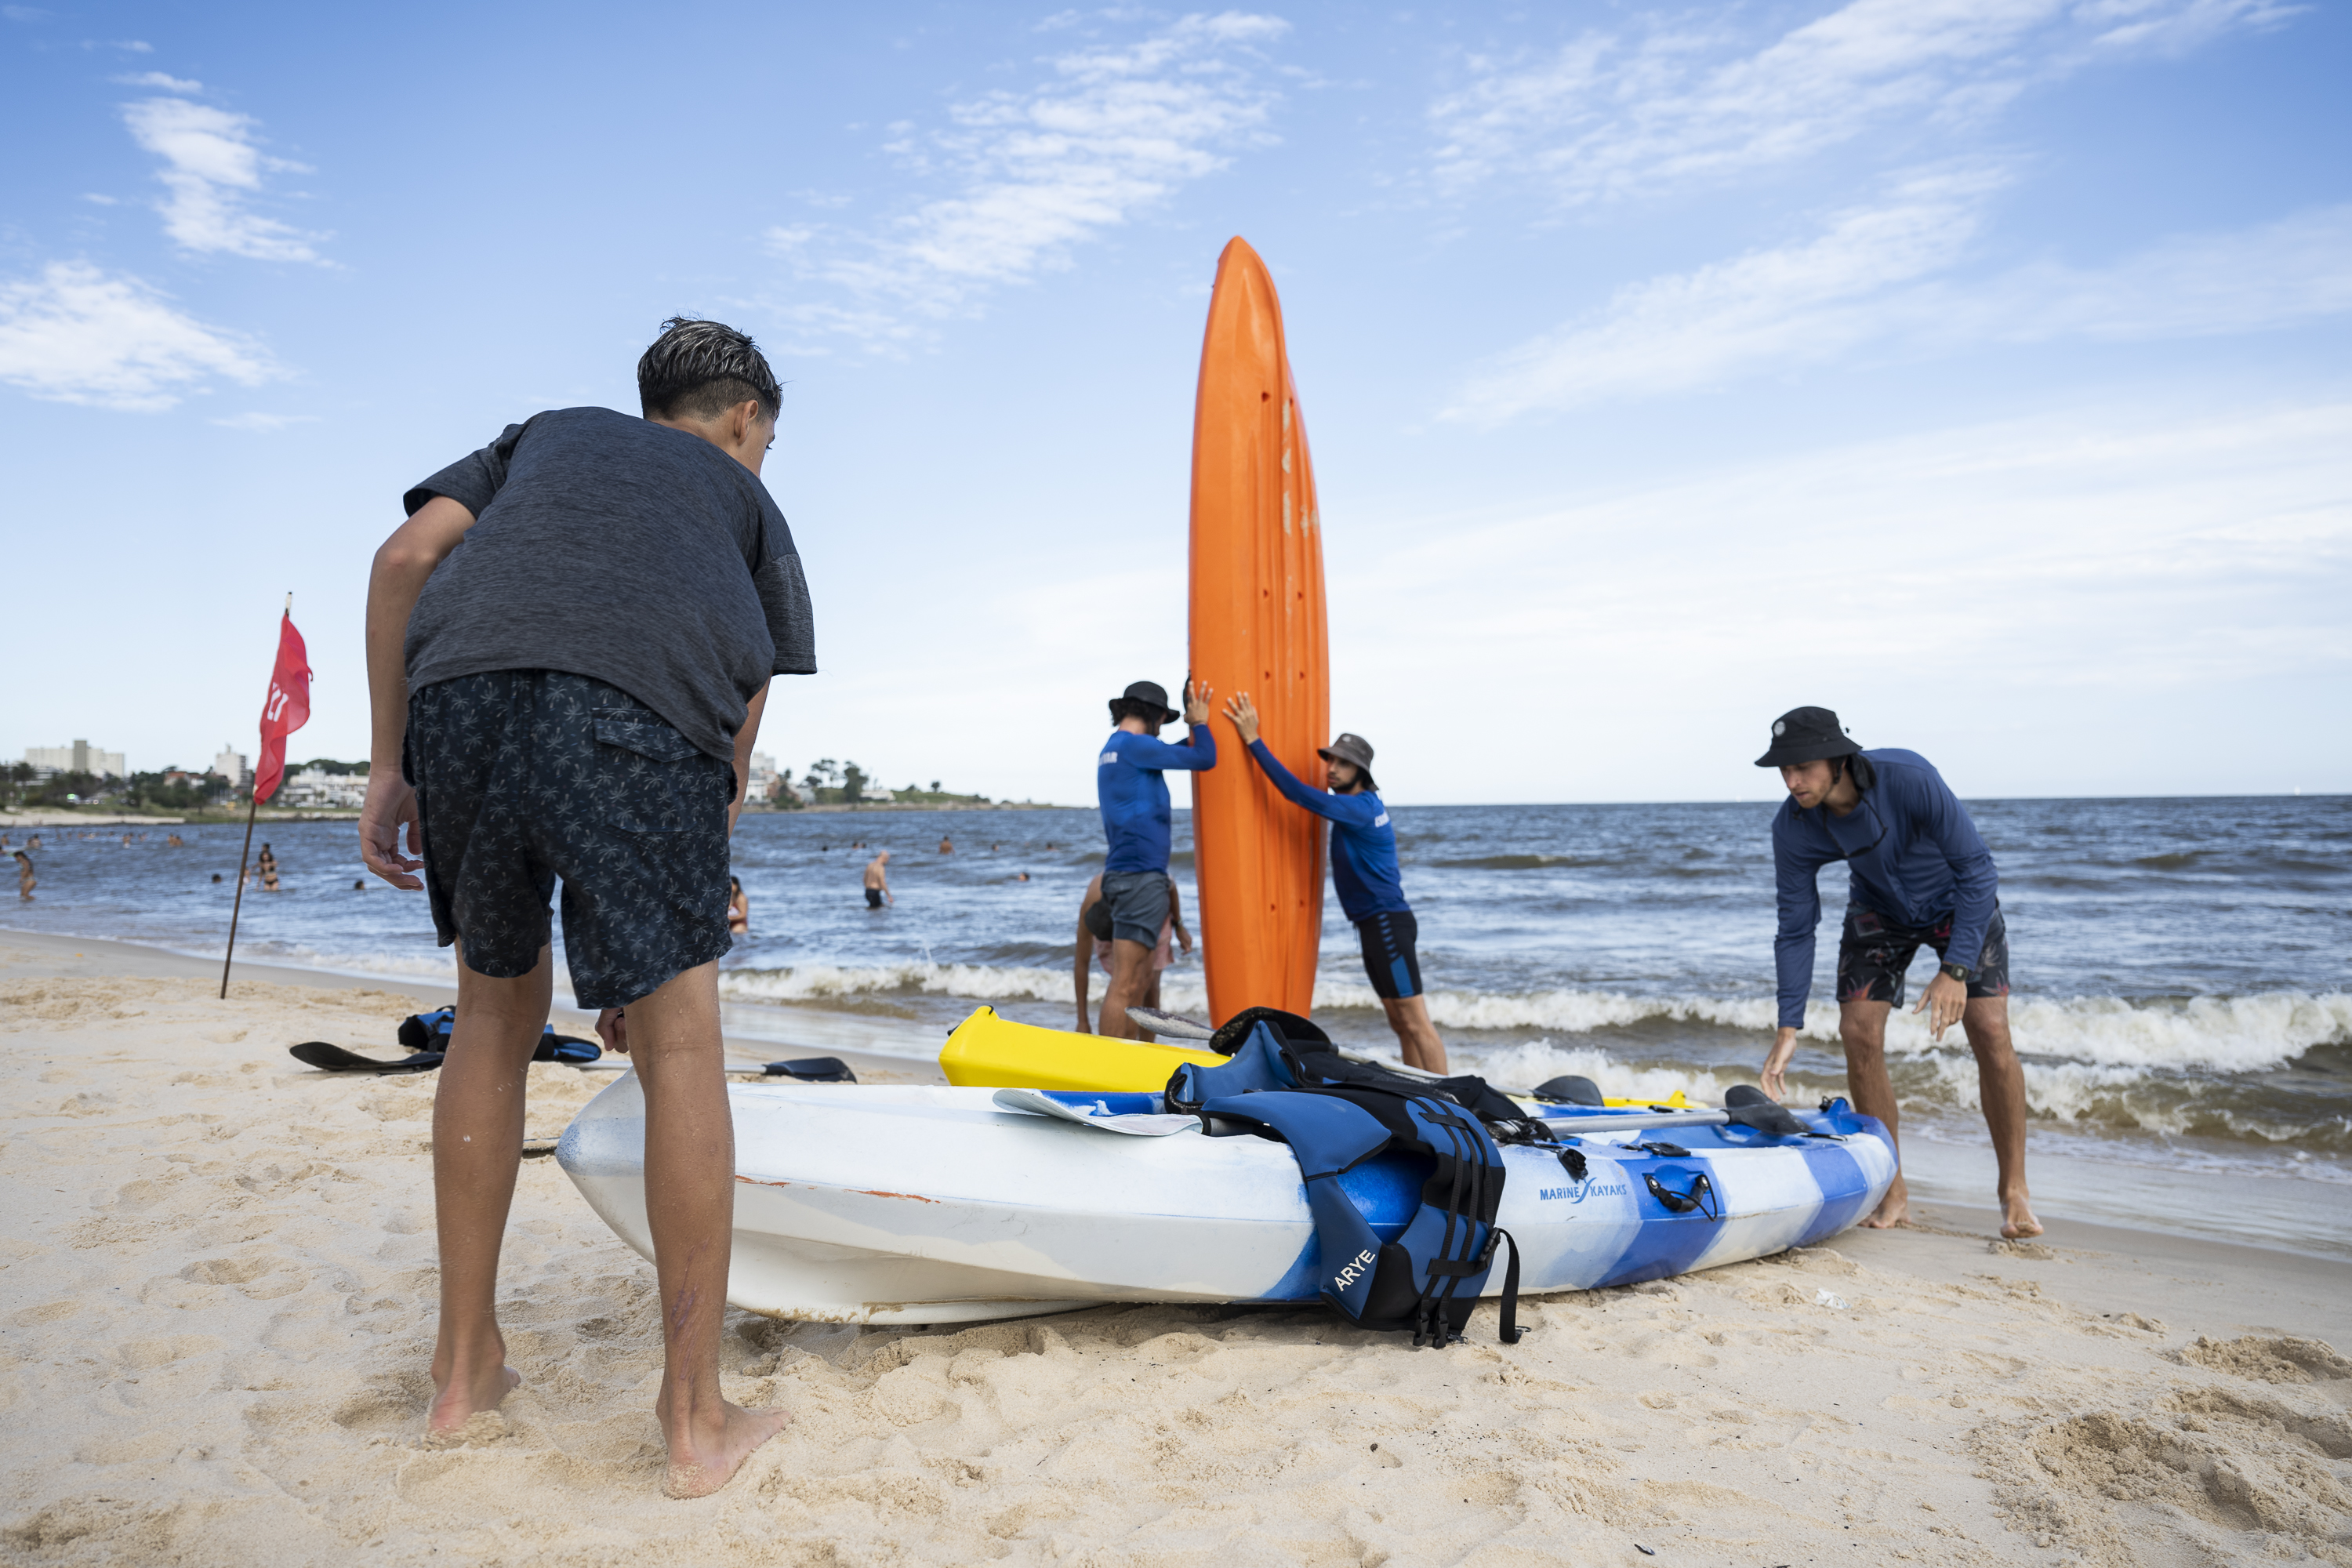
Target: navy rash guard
(1363, 845)
(1913, 856)
(1134, 798)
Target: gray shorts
(1138, 901)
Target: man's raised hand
(1244, 713)
(1196, 702)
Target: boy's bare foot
(458, 1400)
(2017, 1218)
(699, 1466)
(1893, 1210)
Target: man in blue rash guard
(1364, 870)
(1136, 824)
(1919, 875)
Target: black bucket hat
(1807, 735)
(1147, 692)
(1351, 749)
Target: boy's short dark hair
(700, 370)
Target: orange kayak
(1257, 626)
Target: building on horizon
(81, 757)
(231, 765)
(761, 784)
(316, 788)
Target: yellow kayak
(991, 1052)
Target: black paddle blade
(1763, 1115)
(335, 1058)
(1572, 1088)
(813, 1069)
(1298, 1031)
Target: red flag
(286, 711)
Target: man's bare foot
(457, 1402)
(2017, 1218)
(697, 1468)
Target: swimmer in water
(25, 881)
(739, 908)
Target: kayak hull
(1257, 625)
(889, 1204)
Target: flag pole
(251, 806)
(236, 908)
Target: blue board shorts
(1391, 960)
(528, 776)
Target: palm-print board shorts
(1874, 950)
(526, 777)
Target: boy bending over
(570, 643)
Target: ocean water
(2183, 968)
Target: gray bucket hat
(1352, 749)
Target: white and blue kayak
(875, 1204)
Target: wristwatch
(1957, 973)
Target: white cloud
(1777, 308)
(264, 424)
(2028, 595)
(162, 81)
(2298, 269)
(1612, 115)
(211, 166)
(1117, 129)
(1869, 280)
(78, 335)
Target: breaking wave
(2213, 1034)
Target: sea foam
(2225, 1033)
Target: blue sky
(1979, 369)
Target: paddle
(1180, 1028)
(335, 1058)
(1767, 1117)
(1743, 1106)
(807, 1069)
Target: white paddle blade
(1175, 1026)
(1097, 1116)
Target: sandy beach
(216, 1282)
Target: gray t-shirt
(610, 546)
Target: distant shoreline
(915, 806)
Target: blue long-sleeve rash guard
(1363, 845)
(1912, 853)
(1134, 798)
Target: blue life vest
(430, 1032)
(1429, 1278)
